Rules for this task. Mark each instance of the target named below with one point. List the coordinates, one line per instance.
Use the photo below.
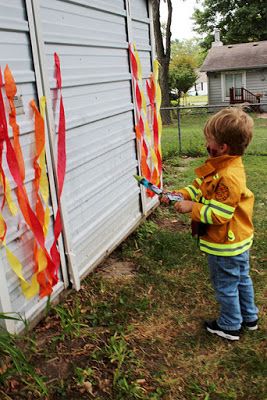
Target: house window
(235, 80)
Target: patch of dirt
(155, 328)
(173, 225)
(112, 269)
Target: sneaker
(213, 327)
(251, 326)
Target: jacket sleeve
(192, 192)
(220, 208)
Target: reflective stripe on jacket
(224, 203)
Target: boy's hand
(164, 199)
(184, 206)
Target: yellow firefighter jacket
(224, 203)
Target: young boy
(220, 201)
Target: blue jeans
(234, 290)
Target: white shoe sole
(252, 328)
(222, 334)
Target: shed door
(101, 197)
(140, 33)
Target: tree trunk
(163, 56)
(164, 85)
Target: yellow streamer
(139, 67)
(15, 263)
(10, 202)
(2, 226)
(44, 185)
(156, 69)
(148, 131)
(154, 158)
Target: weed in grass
(14, 362)
(101, 314)
(170, 248)
(116, 310)
(249, 361)
(208, 392)
(82, 374)
(146, 230)
(70, 321)
(122, 359)
(61, 388)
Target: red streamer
(61, 170)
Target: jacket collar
(212, 164)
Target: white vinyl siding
(214, 88)
(257, 82)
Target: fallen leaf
(140, 381)
(88, 387)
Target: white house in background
(200, 88)
(236, 73)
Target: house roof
(236, 56)
(202, 77)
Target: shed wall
(101, 202)
(16, 51)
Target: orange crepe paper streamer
(158, 105)
(61, 170)
(133, 63)
(11, 258)
(41, 276)
(4, 181)
(11, 91)
(27, 212)
(140, 109)
(153, 91)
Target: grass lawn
(135, 329)
(192, 135)
(197, 100)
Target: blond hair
(231, 126)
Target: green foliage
(84, 374)
(9, 316)
(123, 361)
(182, 74)
(190, 47)
(70, 321)
(13, 361)
(146, 230)
(239, 21)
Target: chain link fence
(185, 135)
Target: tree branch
(168, 30)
